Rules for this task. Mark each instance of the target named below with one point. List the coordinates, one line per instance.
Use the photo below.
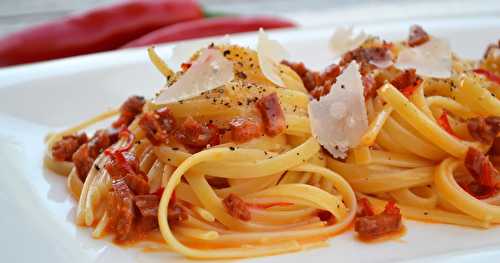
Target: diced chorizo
(82, 161)
(478, 190)
(145, 225)
(196, 135)
(330, 73)
(243, 129)
(495, 148)
(366, 55)
(128, 170)
(320, 91)
(122, 209)
(137, 183)
(481, 169)
(129, 109)
(101, 140)
(64, 149)
(218, 182)
(236, 207)
(326, 216)
(84, 157)
(370, 86)
(118, 168)
(417, 36)
(364, 208)
(405, 79)
(158, 125)
(147, 204)
(318, 84)
(323, 82)
(484, 130)
(374, 226)
(310, 78)
(272, 114)
(298, 67)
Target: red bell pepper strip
(445, 124)
(100, 29)
(488, 74)
(209, 27)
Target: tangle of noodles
(285, 183)
(255, 171)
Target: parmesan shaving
(339, 119)
(209, 71)
(270, 53)
(431, 59)
(384, 63)
(344, 40)
(184, 51)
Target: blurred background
(19, 14)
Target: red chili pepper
(209, 27)
(130, 141)
(269, 205)
(488, 74)
(173, 199)
(160, 191)
(445, 124)
(126, 147)
(117, 154)
(97, 30)
(408, 91)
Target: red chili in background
(209, 27)
(488, 74)
(100, 29)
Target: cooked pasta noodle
(237, 171)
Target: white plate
(36, 218)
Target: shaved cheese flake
(339, 119)
(344, 40)
(431, 59)
(270, 53)
(209, 71)
(182, 52)
(382, 63)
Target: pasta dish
(244, 153)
